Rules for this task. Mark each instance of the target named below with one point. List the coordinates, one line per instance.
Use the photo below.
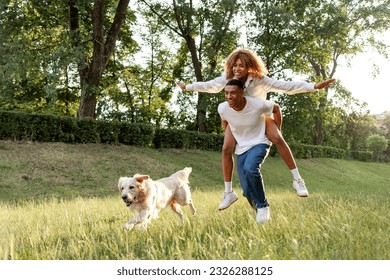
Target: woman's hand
(181, 85)
(324, 84)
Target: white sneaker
(263, 215)
(299, 186)
(227, 200)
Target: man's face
(233, 95)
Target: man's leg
(229, 196)
(241, 175)
(251, 169)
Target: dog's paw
(128, 226)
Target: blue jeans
(248, 169)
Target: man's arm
(277, 116)
(224, 124)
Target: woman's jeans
(248, 169)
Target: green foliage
(46, 47)
(315, 151)
(36, 55)
(52, 128)
(184, 139)
(309, 38)
(386, 132)
(360, 155)
(377, 144)
(208, 35)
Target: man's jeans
(248, 169)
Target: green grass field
(60, 201)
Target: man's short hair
(235, 82)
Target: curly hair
(256, 66)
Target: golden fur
(148, 197)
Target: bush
(109, 133)
(184, 139)
(315, 151)
(52, 128)
(136, 134)
(49, 128)
(360, 155)
(33, 127)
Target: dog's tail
(184, 174)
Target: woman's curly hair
(256, 67)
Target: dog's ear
(141, 178)
(120, 182)
(141, 196)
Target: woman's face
(239, 69)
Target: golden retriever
(148, 197)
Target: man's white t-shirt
(247, 125)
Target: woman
(244, 65)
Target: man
(245, 117)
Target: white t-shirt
(247, 125)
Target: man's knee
(251, 170)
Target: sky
(358, 78)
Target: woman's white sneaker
(299, 186)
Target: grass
(59, 201)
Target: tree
(47, 44)
(309, 37)
(35, 57)
(205, 28)
(377, 144)
(103, 44)
(386, 131)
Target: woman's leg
(227, 168)
(275, 136)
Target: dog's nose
(124, 197)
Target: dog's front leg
(139, 220)
(129, 225)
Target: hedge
(52, 128)
(360, 155)
(315, 151)
(184, 139)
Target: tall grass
(50, 214)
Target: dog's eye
(132, 187)
(122, 188)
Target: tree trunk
(87, 106)
(201, 105)
(321, 72)
(91, 72)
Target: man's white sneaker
(299, 186)
(263, 215)
(227, 200)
